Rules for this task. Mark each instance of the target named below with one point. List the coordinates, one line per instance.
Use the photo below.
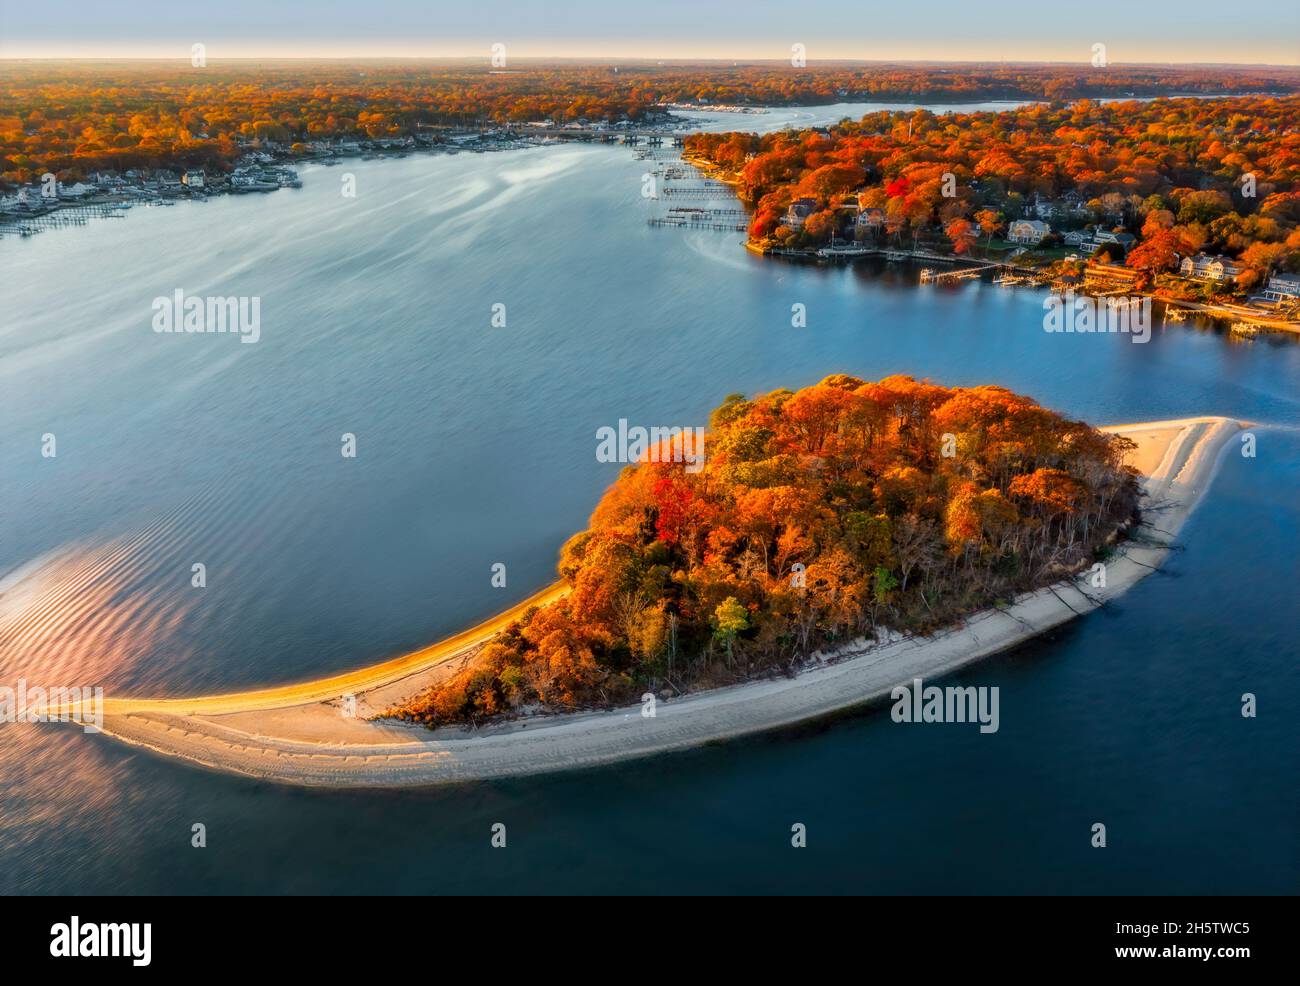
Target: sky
(1257, 32)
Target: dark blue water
(476, 445)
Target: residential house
(1031, 231)
(193, 179)
(77, 191)
(1283, 287)
(1126, 240)
(1204, 267)
(168, 181)
(799, 211)
(871, 218)
(30, 198)
(1090, 238)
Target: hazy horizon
(1018, 31)
(615, 60)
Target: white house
(799, 211)
(1126, 240)
(1283, 287)
(1028, 231)
(871, 218)
(78, 191)
(193, 179)
(1091, 237)
(1204, 267)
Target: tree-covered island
(842, 510)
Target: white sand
(298, 734)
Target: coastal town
(268, 165)
(1068, 242)
(1086, 258)
(1203, 216)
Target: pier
(68, 215)
(698, 191)
(696, 210)
(929, 276)
(651, 138)
(691, 222)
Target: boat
(834, 252)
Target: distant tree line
(1182, 175)
(71, 118)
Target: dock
(21, 224)
(690, 222)
(714, 191)
(929, 276)
(649, 138)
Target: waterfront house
(78, 191)
(871, 218)
(1125, 240)
(168, 182)
(1204, 267)
(1283, 287)
(193, 179)
(1031, 231)
(30, 199)
(1090, 238)
(799, 211)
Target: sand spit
(300, 734)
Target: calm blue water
(476, 445)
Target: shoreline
(1222, 311)
(1227, 311)
(25, 224)
(299, 734)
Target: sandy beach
(316, 733)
